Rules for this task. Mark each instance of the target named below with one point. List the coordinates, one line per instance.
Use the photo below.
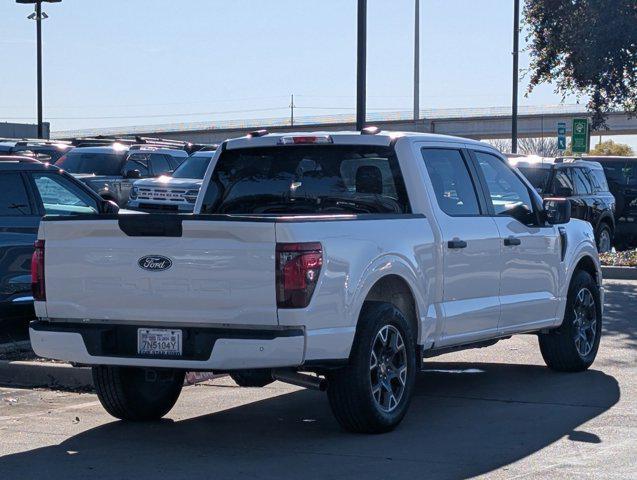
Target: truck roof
(381, 138)
(21, 163)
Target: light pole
(417, 61)
(38, 16)
(514, 102)
(361, 65)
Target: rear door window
(322, 179)
(14, 201)
(454, 189)
(598, 179)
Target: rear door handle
(456, 243)
(512, 242)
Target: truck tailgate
(191, 270)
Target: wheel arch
(394, 281)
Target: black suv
(582, 182)
(28, 190)
(621, 173)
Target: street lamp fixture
(38, 16)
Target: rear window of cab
(317, 179)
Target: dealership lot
(496, 411)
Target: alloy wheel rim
(388, 368)
(604, 242)
(585, 322)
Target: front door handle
(512, 242)
(456, 243)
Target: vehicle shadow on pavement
(465, 420)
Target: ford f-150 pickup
(337, 261)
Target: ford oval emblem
(155, 263)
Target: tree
(611, 148)
(586, 48)
(544, 147)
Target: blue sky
(149, 62)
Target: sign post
(581, 135)
(561, 136)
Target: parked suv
(582, 182)
(621, 173)
(175, 193)
(28, 190)
(111, 170)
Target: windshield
(307, 179)
(193, 167)
(97, 163)
(538, 177)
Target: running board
(434, 352)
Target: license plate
(157, 341)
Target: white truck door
(530, 253)
(470, 247)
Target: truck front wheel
(573, 346)
(372, 394)
(137, 394)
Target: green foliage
(586, 47)
(611, 148)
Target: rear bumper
(203, 348)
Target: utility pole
(514, 103)
(292, 110)
(38, 16)
(417, 62)
(361, 65)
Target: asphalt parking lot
(492, 413)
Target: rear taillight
(37, 272)
(298, 266)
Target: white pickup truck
(337, 261)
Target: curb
(61, 376)
(619, 273)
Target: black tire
(603, 230)
(137, 394)
(559, 347)
(252, 378)
(350, 389)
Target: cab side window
(454, 189)
(507, 192)
(137, 161)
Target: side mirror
(557, 211)
(109, 207)
(564, 192)
(132, 174)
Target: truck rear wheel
(573, 346)
(372, 394)
(137, 394)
